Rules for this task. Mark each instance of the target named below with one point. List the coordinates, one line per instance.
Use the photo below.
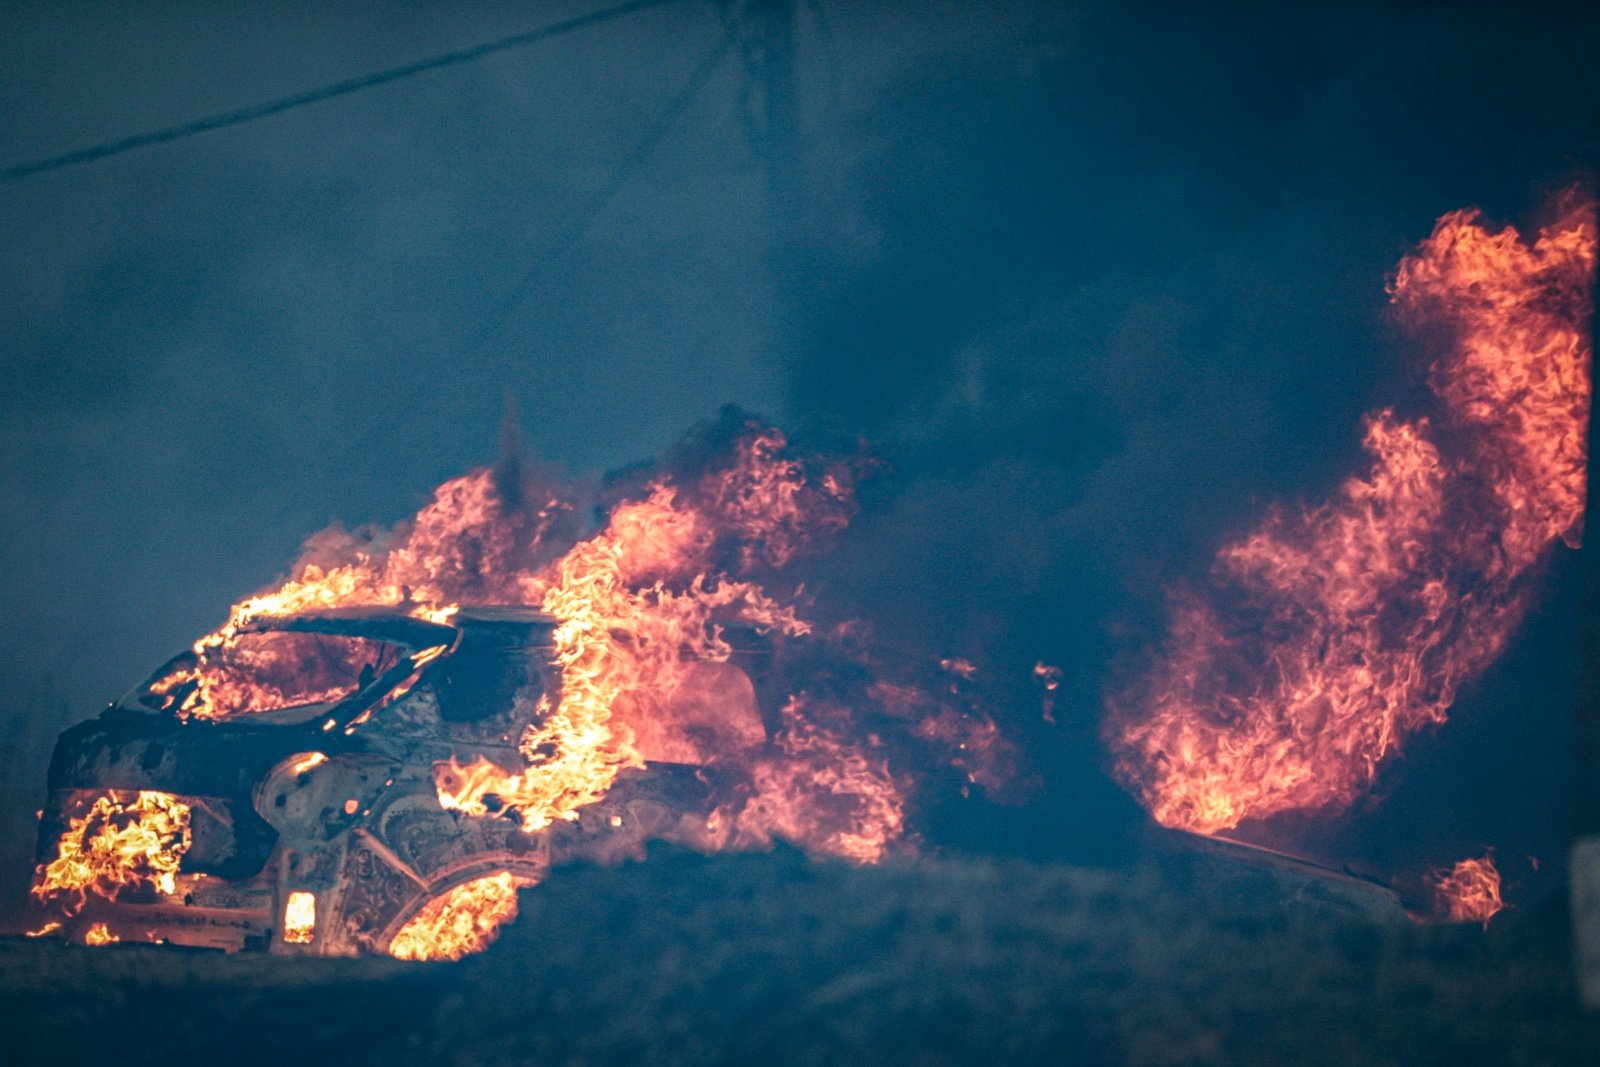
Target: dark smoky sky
(1097, 280)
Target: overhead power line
(242, 115)
(602, 196)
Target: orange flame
(1467, 893)
(99, 934)
(468, 544)
(1330, 634)
(460, 922)
(117, 844)
(254, 672)
(641, 606)
(824, 792)
(478, 788)
(633, 601)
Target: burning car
(371, 809)
(355, 762)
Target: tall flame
(1331, 633)
(633, 601)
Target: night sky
(1097, 282)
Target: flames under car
(347, 824)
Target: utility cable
(242, 115)
(602, 196)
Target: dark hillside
(771, 959)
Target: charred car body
(327, 827)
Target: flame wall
(1331, 633)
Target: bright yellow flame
(117, 844)
(99, 934)
(460, 922)
(623, 631)
(428, 655)
(442, 616)
(640, 607)
(300, 918)
(307, 762)
(464, 787)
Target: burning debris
(1469, 892)
(1048, 678)
(376, 755)
(1329, 635)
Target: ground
(769, 959)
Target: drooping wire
(603, 195)
(17, 172)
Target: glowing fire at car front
(356, 762)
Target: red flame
(821, 789)
(1333, 632)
